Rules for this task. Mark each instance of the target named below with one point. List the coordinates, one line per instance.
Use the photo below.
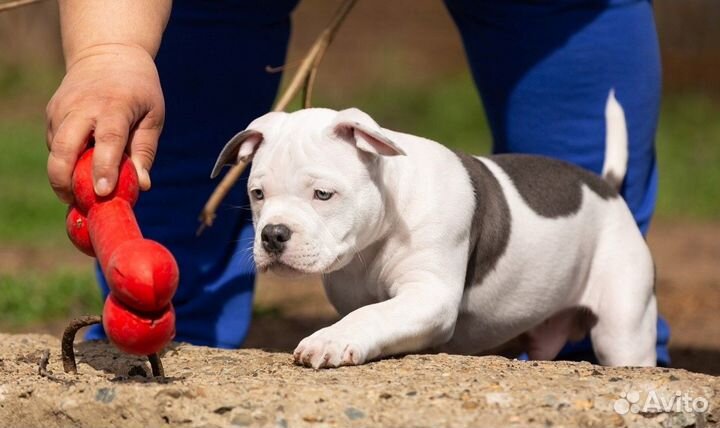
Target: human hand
(111, 92)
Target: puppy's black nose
(274, 237)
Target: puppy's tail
(616, 142)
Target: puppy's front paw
(326, 349)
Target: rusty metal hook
(68, 352)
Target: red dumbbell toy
(138, 316)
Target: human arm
(111, 89)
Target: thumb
(143, 147)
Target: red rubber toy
(142, 274)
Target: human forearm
(89, 26)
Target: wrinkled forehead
(289, 150)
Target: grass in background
(29, 211)
(449, 111)
(24, 82)
(688, 145)
(31, 298)
(30, 214)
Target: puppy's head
(313, 186)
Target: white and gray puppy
(424, 248)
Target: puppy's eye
(323, 195)
(257, 194)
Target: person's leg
(212, 69)
(544, 71)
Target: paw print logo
(628, 402)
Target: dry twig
(43, 363)
(44, 372)
(304, 79)
(16, 4)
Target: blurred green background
(401, 61)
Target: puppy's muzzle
(274, 237)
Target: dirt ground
(210, 388)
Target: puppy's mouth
(282, 269)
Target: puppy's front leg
(416, 317)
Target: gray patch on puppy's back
(551, 187)
(490, 228)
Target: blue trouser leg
(544, 71)
(212, 69)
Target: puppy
(424, 248)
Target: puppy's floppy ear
(358, 127)
(241, 147)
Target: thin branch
(338, 19)
(43, 363)
(207, 216)
(308, 68)
(44, 372)
(299, 78)
(304, 78)
(312, 75)
(284, 67)
(16, 4)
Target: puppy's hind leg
(625, 333)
